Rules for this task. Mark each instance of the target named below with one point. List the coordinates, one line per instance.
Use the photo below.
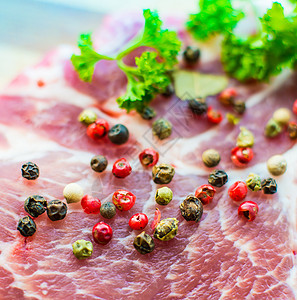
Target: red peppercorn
(295, 107)
(98, 130)
(241, 156)
(248, 209)
(205, 193)
(123, 200)
(121, 168)
(149, 157)
(40, 83)
(138, 221)
(102, 233)
(238, 191)
(227, 96)
(214, 116)
(90, 204)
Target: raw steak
(221, 257)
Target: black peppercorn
(35, 205)
(166, 229)
(56, 210)
(162, 129)
(169, 91)
(26, 226)
(191, 209)
(148, 113)
(144, 243)
(118, 134)
(269, 186)
(217, 178)
(30, 171)
(239, 107)
(198, 106)
(99, 163)
(163, 174)
(191, 55)
(108, 210)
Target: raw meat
(222, 257)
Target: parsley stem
(137, 42)
(127, 69)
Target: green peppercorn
(211, 158)
(277, 165)
(282, 116)
(292, 130)
(30, 171)
(166, 229)
(144, 243)
(245, 138)
(272, 128)
(108, 210)
(99, 163)
(198, 106)
(232, 119)
(239, 106)
(82, 249)
(191, 209)
(163, 195)
(253, 182)
(162, 129)
(26, 226)
(35, 205)
(269, 186)
(217, 178)
(163, 173)
(56, 210)
(148, 113)
(87, 117)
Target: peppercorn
(90, 205)
(249, 210)
(123, 200)
(30, 171)
(217, 178)
(277, 165)
(99, 163)
(191, 55)
(253, 182)
(148, 113)
(232, 119)
(295, 107)
(149, 157)
(214, 116)
(108, 210)
(26, 226)
(121, 168)
(241, 156)
(292, 130)
(118, 134)
(169, 91)
(205, 193)
(162, 129)
(87, 117)
(227, 96)
(238, 191)
(98, 129)
(282, 116)
(211, 158)
(163, 173)
(269, 186)
(138, 221)
(82, 249)
(102, 233)
(56, 210)
(73, 193)
(198, 106)
(239, 107)
(191, 209)
(163, 195)
(272, 128)
(166, 229)
(144, 243)
(245, 138)
(35, 205)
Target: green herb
(150, 76)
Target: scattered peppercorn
(239, 106)
(248, 209)
(211, 158)
(162, 129)
(227, 96)
(118, 134)
(272, 128)
(56, 210)
(30, 171)
(169, 91)
(26, 226)
(149, 157)
(90, 205)
(191, 55)
(123, 200)
(98, 129)
(282, 116)
(108, 210)
(253, 182)
(99, 163)
(102, 233)
(121, 168)
(163, 173)
(245, 138)
(295, 107)
(148, 113)
(241, 156)
(138, 221)
(238, 191)
(214, 116)
(232, 119)
(163, 195)
(205, 193)
(144, 243)
(269, 186)
(217, 178)
(292, 130)
(198, 106)
(73, 193)
(277, 165)
(191, 209)
(166, 229)
(82, 249)
(35, 205)
(87, 117)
